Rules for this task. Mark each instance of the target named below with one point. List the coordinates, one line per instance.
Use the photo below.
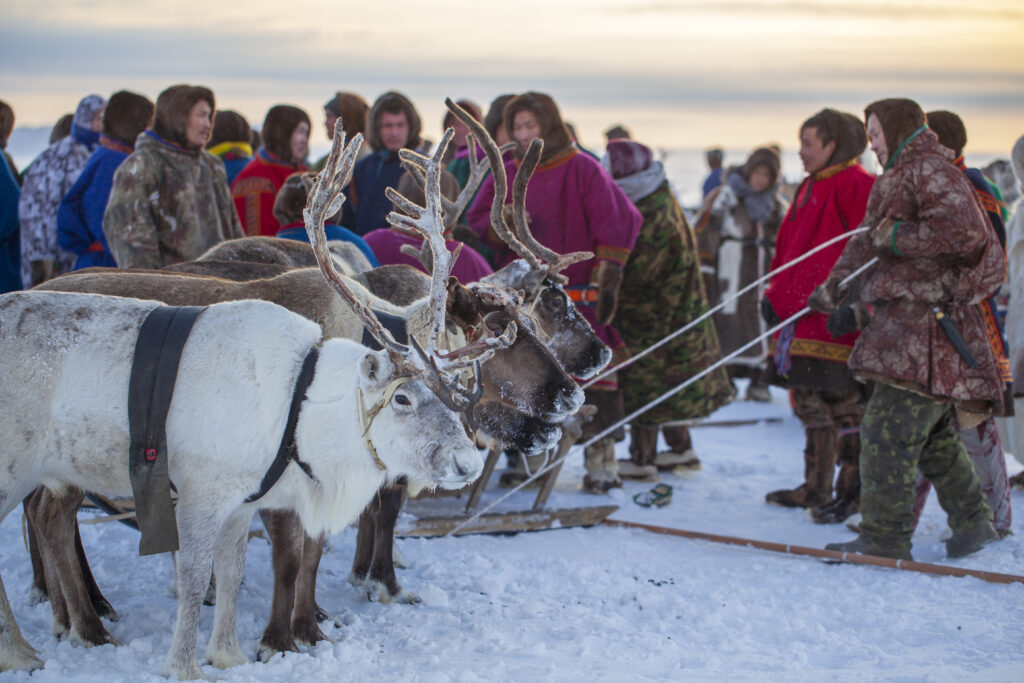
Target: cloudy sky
(679, 73)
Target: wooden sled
(507, 523)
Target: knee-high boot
(847, 487)
(819, 468)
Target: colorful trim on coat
(617, 254)
(116, 145)
(251, 189)
(171, 144)
(822, 350)
(237, 150)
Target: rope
(661, 399)
(696, 321)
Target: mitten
(825, 297)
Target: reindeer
(524, 374)
(277, 250)
(66, 362)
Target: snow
(594, 604)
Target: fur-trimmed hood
(126, 116)
(173, 107)
(393, 102)
(229, 126)
(950, 129)
(552, 129)
(352, 109)
(899, 118)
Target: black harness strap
(288, 451)
(392, 323)
(154, 371)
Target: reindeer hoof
(357, 580)
(20, 657)
(37, 595)
(225, 659)
(91, 638)
(322, 615)
(378, 590)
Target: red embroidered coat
(255, 189)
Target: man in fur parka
(393, 124)
(170, 200)
(46, 181)
(925, 346)
(808, 358)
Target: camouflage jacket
(941, 253)
(47, 180)
(168, 204)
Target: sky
(678, 73)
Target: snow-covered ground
(597, 603)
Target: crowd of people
(897, 372)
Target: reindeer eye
(402, 400)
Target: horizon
(678, 73)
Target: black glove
(847, 319)
(768, 313)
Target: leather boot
(681, 453)
(847, 487)
(819, 467)
(878, 547)
(643, 444)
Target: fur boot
(847, 488)
(680, 453)
(819, 467)
(599, 478)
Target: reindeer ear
(372, 367)
(462, 304)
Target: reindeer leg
(304, 615)
(198, 528)
(228, 565)
(382, 579)
(99, 602)
(365, 542)
(37, 593)
(15, 652)
(73, 612)
(286, 534)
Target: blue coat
(366, 207)
(10, 231)
(297, 231)
(80, 214)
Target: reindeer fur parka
(938, 249)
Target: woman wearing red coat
(285, 143)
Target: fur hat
(846, 130)
(6, 123)
(126, 116)
(393, 103)
(950, 129)
(552, 129)
(229, 126)
(281, 122)
(495, 114)
(625, 158)
(899, 118)
(617, 132)
(762, 156)
(352, 109)
(173, 107)
(291, 198)
(470, 106)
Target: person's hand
(609, 278)
(768, 313)
(847, 319)
(826, 296)
(883, 238)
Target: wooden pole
(835, 555)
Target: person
(6, 128)
(46, 181)
(925, 347)
(573, 205)
(617, 132)
(393, 124)
(285, 143)
(288, 206)
(170, 200)
(808, 358)
(661, 291)
(62, 128)
(982, 442)
(736, 225)
(230, 141)
(386, 243)
(1015, 309)
(10, 230)
(352, 109)
(714, 157)
(80, 214)
(494, 122)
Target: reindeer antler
(325, 198)
(556, 262)
(493, 156)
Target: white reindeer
(65, 362)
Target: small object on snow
(659, 496)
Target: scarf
(85, 136)
(639, 185)
(760, 205)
